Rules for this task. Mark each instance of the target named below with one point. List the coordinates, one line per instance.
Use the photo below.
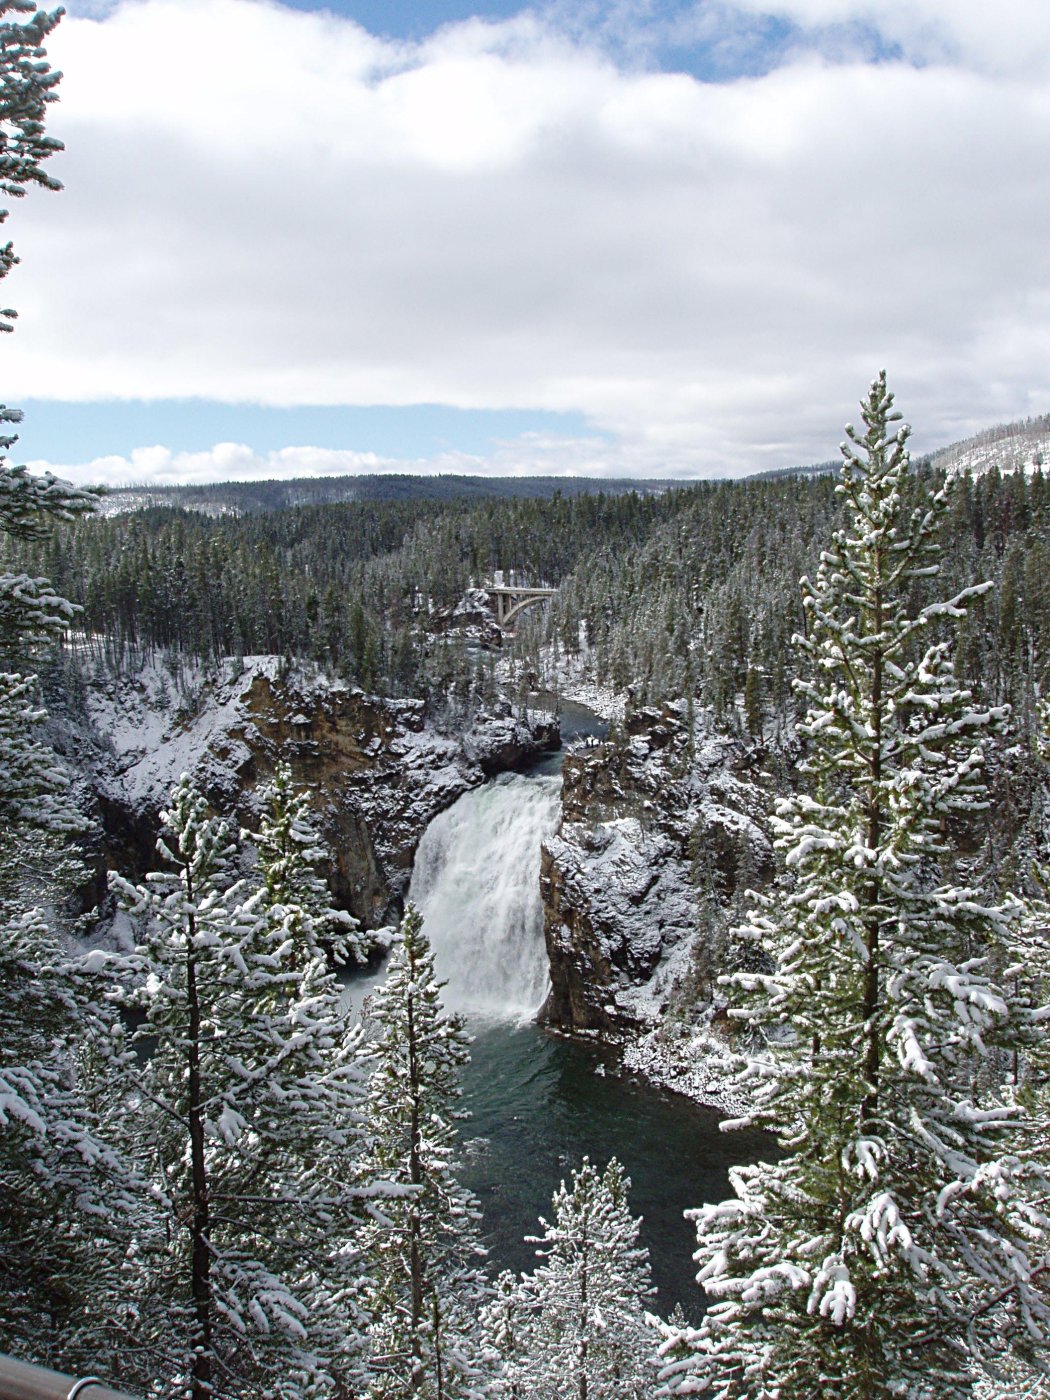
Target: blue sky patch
(79, 432)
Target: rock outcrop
(649, 822)
(376, 769)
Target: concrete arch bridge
(510, 600)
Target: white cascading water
(476, 883)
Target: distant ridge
(1023, 445)
(253, 497)
(1011, 447)
(814, 469)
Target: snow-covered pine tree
(249, 1103)
(1032, 1073)
(35, 815)
(67, 1200)
(575, 1328)
(185, 1320)
(505, 1338)
(27, 87)
(290, 854)
(64, 1194)
(898, 1242)
(246, 1101)
(423, 1262)
(301, 1084)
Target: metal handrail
(19, 1380)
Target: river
(539, 1102)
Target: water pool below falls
(540, 1102)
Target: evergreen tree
(248, 1105)
(27, 88)
(576, 1327)
(64, 1192)
(302, 1083)
(1033, 1075)
(423, 1256)
(900, 1240)
(67, 1198)
(290, 852)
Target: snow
(1011, 447)
(571, 676)
(623, 863)
(152, 736)
(692, 1064)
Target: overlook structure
(509, 600)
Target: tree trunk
(415, 1176)
(873, 1049)
(200, 1264)
(582, 1357)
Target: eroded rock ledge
(651, 823)
(377, 770)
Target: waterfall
(476, 884)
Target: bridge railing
(19, 1380)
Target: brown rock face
(376, 772)
(348, 750)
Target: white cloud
(226, 461)
(533, 454)
(268, 205)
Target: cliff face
(376, 771)
(649, 830)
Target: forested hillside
(691, 591)
(239, 497)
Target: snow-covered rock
(646, 820)
(378, 772)
(472, 618)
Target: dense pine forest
(691, 591)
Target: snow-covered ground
(1010, 447)
(163, 721)
(692, 1062)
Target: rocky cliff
(656, 826)
(377, 770)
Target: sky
(668, 238)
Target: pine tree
(67, 1198)
(290, 852)
(210, 1310)
(247, 1099)
(576, 1327)
(64, 1191)
(1033, 1075)
(423, 1254)
(302, 1083)
(184, 1324)
(27, 88)
(899, 1241)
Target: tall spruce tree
(65, 1195)
(576, 1327)
(899, 1242)
(247, 1100)
(423, 1256)
(302, 1084)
